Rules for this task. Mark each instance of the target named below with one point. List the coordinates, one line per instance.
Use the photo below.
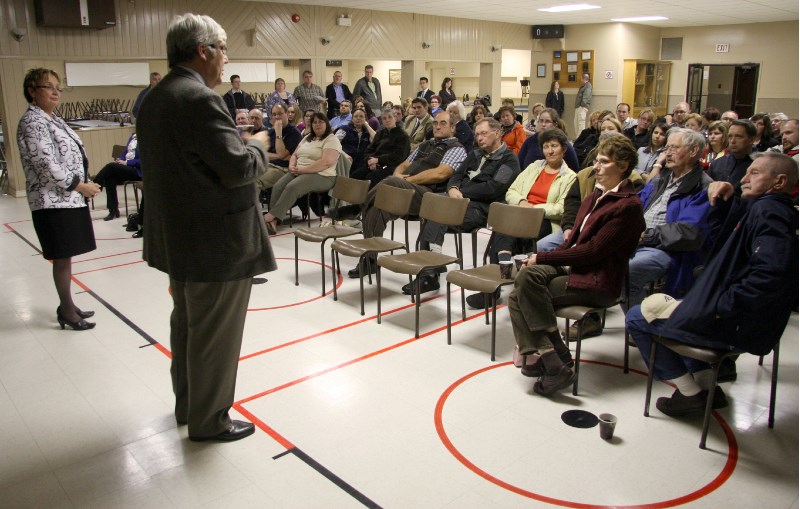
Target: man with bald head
(426, 170)
(729, 116)
(679, 114)
(744, 296)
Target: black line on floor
(18, 234)
(338, 481)
(124, 318)
(281, 455)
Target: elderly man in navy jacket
(743, 298)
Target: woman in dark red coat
(587, 269)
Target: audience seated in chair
(675, 210)
(312, 168)
(283, 141)
(124, 169)
(418, 123)
(607, 229)
(355, 137)
(543, 184)
(426, 170)
(743, 298)
(531, 150)
(483, 177)
(389, 147)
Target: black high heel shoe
(112, 214)
(82, 314)
(79, 325)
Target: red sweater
(598, 252)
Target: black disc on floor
(579, 419)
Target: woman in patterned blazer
(56, 179)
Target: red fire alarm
(296, 18)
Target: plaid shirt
(305, 97)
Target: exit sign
(723, 48)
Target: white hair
(186, 32)
(459, 106)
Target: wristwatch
(278, 137)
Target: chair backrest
(350, 190)
(118, 151)
(515, 221)
(443, 209)
(394, 200)
(343, 165)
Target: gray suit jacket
(203, 221)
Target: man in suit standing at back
(203, 225)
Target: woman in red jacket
(587, 269)
(513, 133)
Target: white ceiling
(681, 13)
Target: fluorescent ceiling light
(573, 7)
(641, 18)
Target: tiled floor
(368, 414)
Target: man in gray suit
(203, 225)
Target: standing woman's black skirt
(64, 233)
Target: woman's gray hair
(458, 105)
(186, 32)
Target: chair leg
(627, 352)
(577, 357)
(566, 332)
(709, 404)
(416, 307)
(322, 259)
(378, 283)
(125, 197)
(475, 248)
(334, 265)
(494, 321)
(651, 363)
(463, 306)
(448, 315)
(774, 388)
(361, 283)
(296, 263)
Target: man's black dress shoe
(373, 268)
(237, 431)
(481, 300)
(428, 284)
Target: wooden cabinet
(645, 85)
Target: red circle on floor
(339, 281)
(719, 480)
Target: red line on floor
(109, 267)
(340, 327)
(339, 282)
(727, 470)
(263, 426)
(107, 256)
(352, 361)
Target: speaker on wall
(547, 31)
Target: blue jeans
(669, 365)
(648, 264)
(550, 242)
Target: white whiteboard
(251, 72)
(98, 75)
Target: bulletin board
(570, 65)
